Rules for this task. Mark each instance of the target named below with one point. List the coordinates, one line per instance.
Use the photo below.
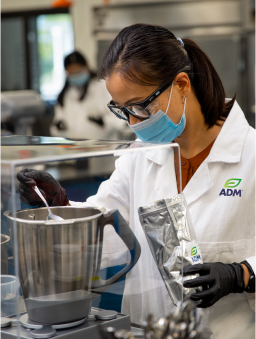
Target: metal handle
(42, 197)
(128, 237)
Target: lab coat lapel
(166, 184)
(165, 179)
(229, 143)
(199, 184)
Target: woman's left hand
(216, 279)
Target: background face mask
(78, 79)
(159, 127)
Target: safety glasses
(139, 110)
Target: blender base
(88, 329)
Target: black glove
(216, 279)
(49, 187)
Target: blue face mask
(159, 127)
(78, 79)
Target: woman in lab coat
(81, 110)
(167, 89)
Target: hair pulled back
(152, 55)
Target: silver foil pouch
(172, 241)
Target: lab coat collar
(229, 143)
(159, 156)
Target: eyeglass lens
(137, 111)
(119, 113)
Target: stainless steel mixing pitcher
(59, 262)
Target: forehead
(123, 90)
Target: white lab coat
(224, 225)
(75, 114)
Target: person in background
(81, 110)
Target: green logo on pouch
(193, 251)
(231, 183)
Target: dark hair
(74, 58)
(152, 55)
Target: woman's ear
(184, 85)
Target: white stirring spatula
(50, 216)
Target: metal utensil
(186, 322)
(51, 216)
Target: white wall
(83, 26)
(82, 21)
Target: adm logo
(195, 257)
(193, 251)
(231, 183)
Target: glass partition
(105, 262)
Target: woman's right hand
(49, 187)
